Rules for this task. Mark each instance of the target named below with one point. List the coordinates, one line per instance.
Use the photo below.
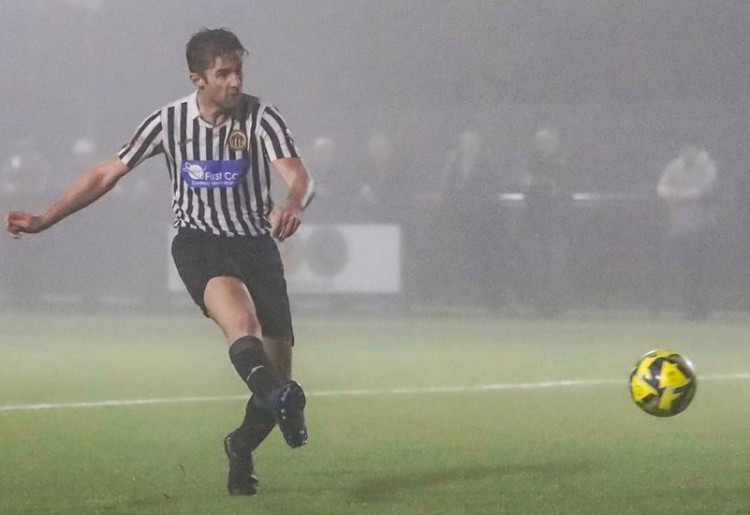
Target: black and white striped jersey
(220, 174)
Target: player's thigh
(229, 303)
(264, 276)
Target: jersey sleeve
(146, 142)
(277, 140)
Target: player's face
(221, 84)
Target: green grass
(566, 450)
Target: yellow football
(663, 383)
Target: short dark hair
(208, 44)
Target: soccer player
(218, 143)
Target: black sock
(254, 367)
(256, 426)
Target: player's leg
(279, 351)
(275, 398)
(240, 444)
(291, 404)
(258, 424)
(264, 275)
(259, 421)
(206, 266)
(211, 275)
(228, 302)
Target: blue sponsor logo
(214, 174)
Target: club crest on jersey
(214, 174)
(237, 140)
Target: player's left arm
(286, 217)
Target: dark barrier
(610, 253)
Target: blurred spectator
(84, 277)
(689, 187)
(468, 177)
(25, 175)
(465, 223)
(742, 205)
(84, 151)
(546, 225)
(153, 220)
(334, 189)
(26, 172)
(383, 193)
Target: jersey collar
(192, 105)
(194, 112)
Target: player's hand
(17, 222)
(285, 221)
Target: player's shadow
(376, 488)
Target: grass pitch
(430, 415)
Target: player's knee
(237, 326)
(228, 303)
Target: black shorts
(201, 256)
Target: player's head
(324, 152)
(469, 144)
(379, 148)
(547, 141)
(206, 45)
(690, 155)
(214, 58)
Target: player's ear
(198, 80)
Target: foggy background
(625, 85)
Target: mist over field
(515, 199)
(386, 101)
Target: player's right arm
(87, 188)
